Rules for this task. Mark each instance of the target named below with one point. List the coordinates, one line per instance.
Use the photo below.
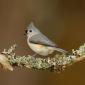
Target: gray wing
(41, 39)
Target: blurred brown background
(63, 21)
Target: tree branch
(9, 59)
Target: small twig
(59, 62)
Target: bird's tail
(61, 50)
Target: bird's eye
(30, 30)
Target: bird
(40, 43)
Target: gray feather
(41, 39)
(61, 50)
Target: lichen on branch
(9, 59)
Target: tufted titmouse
(39, 43)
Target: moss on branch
(9, 59)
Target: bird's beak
(25, 32)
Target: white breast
(40, 49)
